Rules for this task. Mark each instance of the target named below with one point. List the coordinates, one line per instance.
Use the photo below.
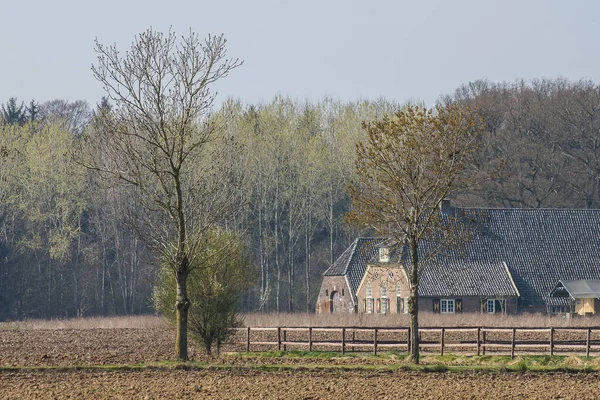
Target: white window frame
(369, 290)
(384, 254)
(490, 306)
(384, 305)
(447, 306)
(370, 305)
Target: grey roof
(353, 261)
(583, 288)
(464, 278)
(539, 246)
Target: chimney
(445, 206)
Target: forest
(67, 246)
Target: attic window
(384, 254)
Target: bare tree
(161, 139)
(409, 164)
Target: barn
(513, 262)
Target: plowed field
(113, 346)
(294, 385)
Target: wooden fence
(473, 340)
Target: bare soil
(68, 347)
(176, 384)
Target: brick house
(513, 262)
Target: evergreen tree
(12, 113)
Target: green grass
(317, 361)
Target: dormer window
(384, 254)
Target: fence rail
(479, 340)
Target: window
(384, 254)
(398, 293)
(369, 291)
(399, 305)
(342, 291)
(370, 304)
(490, 307)
(384, 303)
(559, 309)
(447, 306)
(406, 305)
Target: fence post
(587, 342)
(284, 339)
(442, 342)
(248, 340)
(343, 340)
(483, 335)
(310, 338)
(478, 341)
(375, 343)
(353, 339)
(278, 338)
(512, 345)
(551, 341)
(408, 340)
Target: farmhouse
(516, 260)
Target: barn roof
(468, 278)
(538, 247)
(582, 288)
(353, 261)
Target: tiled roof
(539, 246)
(464, 278)
(353, 261)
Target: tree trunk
(183, 304)
(413, 304)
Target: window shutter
(483, 305)
(458, 305)
(436, 305)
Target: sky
(344, 49)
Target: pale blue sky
(347, 49)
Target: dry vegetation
(140, 321)
(425, 319)
(305, 319)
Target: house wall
(585, 306)
(387, 277)
(342, 297)
(470, 304)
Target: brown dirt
(112, 346)
(66, 347)
(294, 385)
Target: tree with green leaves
(214, 292)
(409, 164)
(160, 138)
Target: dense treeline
(66, 247)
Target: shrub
(215, 287)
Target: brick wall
(341, 299)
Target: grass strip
(518, 367)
